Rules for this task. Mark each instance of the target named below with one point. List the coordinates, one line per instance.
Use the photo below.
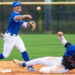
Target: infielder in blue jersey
(11, 37)
(55, 64)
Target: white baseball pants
(10, 42)
(53, 64)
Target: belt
(11, 34)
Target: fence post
(47, 17)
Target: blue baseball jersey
(14, 26)
(70, 51)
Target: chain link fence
(62, 18)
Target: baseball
(38, 8)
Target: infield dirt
(17, 70)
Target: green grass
(40, 45)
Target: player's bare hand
(28, 16)
(60, 34)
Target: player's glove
(32, 23)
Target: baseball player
(11, 37)
(55, 64)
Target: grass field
(40, 45)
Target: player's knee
(22, 50)
(38, 60)
(5, 55)
(45, 70)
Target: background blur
(51, 18)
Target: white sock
(63, 40)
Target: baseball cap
(70, 51)
(16, 3)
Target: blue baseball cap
(70, 51)
(16, 3)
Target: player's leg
(1, 54)
(8, 45)
(63, 40)
(58, 68)
(49, 61)
(20, 46)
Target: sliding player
(55, 64)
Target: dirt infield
(17, 70)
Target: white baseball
(38, 8)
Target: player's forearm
(22, 17)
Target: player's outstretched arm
(60, 34)
(61, 38)
(22, 17)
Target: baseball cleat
(60, 34)
(30, 68)
(17, 62)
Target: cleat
(60, 34)
(17, 62)
(30, 68)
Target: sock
(1, 56)
(63, 40)
(23, 64)
(25, 56)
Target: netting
(53, 16)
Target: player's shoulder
(14, 13)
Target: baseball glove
(32, 23)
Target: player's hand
(60, 34)
(28, 16)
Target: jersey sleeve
(13, 17)
(18, 21)
(24, 24)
